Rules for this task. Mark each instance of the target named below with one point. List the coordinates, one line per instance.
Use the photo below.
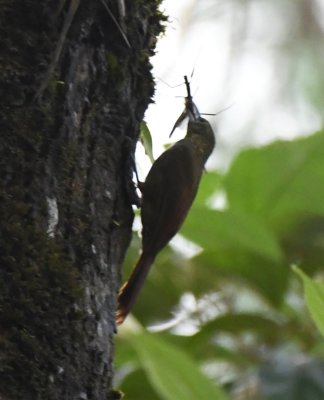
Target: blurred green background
(234, 307)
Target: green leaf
(238, 244)
(261, 274)
(214, 229)
(146, 140)
(135, 385)
(314, 296)
(173, 374)
(210, 184)
(285, 177)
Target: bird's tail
(130, 290)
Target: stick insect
(191, 111)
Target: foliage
(146, 140)
(184, 381)
(314, 296)
(245, 318)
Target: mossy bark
(73, 91)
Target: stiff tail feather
(130, 290)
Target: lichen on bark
(65, 208)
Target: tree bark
(75, 82)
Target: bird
(167, 195)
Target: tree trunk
(75, 82)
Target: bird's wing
(168, 193)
